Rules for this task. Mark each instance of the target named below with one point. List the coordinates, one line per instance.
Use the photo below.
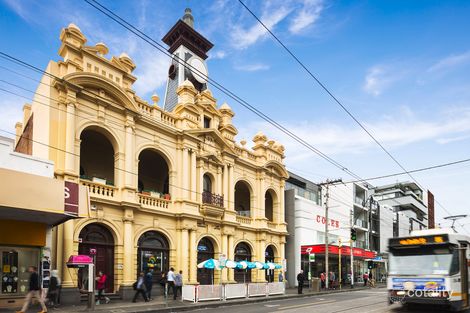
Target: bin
(315, 283)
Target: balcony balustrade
(244, 220)
(153, 202)
(212, 199)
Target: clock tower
(189, 50)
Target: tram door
(464, 270)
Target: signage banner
(311, 257)
(71, 193)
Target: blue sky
(400, 66)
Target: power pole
(351, 247)
(327, 196)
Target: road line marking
(304, 305)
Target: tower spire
(188, 17)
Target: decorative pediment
(216, 137)
(278, 168)
(95, 81)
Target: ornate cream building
(168, 187)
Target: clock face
(199, 70)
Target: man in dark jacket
(300, 281)
(140, 288)
(149, 283)
(33, 291)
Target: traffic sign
(311, 257)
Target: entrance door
(242, 253)
(269, 257)
(153, 254)
(205, 251)
(464, 270)
(96, 236)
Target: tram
(430, 267)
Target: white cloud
(379, 78)
(17, 7)
(393, 132)
(219, 54)
(450, 62)
(243, 38)
(307, 16)
(252, 67)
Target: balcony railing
(244, 220)
(360, 244)
(153, 202)
(97, 189)
(212, 199)
(361, 223)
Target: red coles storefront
(318, 266)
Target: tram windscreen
(424, 260)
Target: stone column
(192, 257)
(231, 190)
(193, 176)
(130, 180)
(70, 139)
(185, 174)
(224, 274)
(231, 256)
(218, 184)
(185, 264)
(260, 256)
(225, 186)
(70, 293)
(129, 271)
(280, 205)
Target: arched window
(153, 174)
(242, 253)
(207, 183)
(242, 199)
(96, 157)
(269, 257)
(268, 206)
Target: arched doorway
(269, 257)
(205, 251)
(242, 253)
(242, 199)
(97, 236)
(153, 254)
(96, 157)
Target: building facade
(32, 202)
(305, 214)
(168, 188)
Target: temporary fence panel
(189, 293)
(233, 291)
(256, 290)
(276, 288)
(209, 292)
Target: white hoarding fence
(189, 293)
(234, 291)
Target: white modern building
(305, 215)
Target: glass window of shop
(318, 266)
(301, 192)
(14, 265)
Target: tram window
(455, 265)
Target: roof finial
(188, 17)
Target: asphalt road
(364, 301)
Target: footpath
(160, 304)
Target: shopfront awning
(334, 250)
(32, 198)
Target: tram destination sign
(419, 240)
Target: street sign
(311, 257)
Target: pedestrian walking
(365, 277)
(33, 291)
(371, 280)
(179, 283)
(281, 278)
(139, 287)
(163, 283)
(323, 280)
(54, 288)
(300, 281)
(149, 284)
(100, 286)
(170, 278)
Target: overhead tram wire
(116, 123)
(109, 13)
(336, 100)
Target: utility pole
(351, 247)
(327, 196)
